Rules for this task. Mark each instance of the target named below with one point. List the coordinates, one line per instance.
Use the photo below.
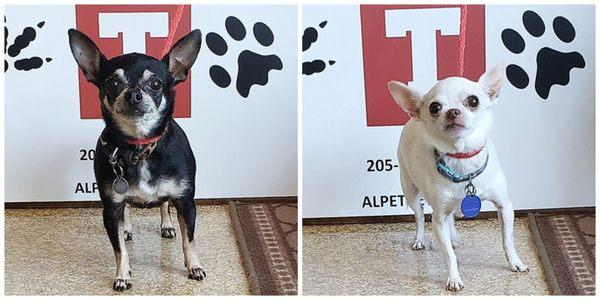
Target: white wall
(546, 147)
(243, 147)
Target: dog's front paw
(519, 267)
(196, 273)
(168, 232)
(418, 244)
(454, 284)
(128, 235)
(121, 285)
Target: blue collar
(450, 174)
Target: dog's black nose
(452, 113)
(133, 97)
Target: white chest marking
(146, 192)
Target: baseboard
(97, 203)
(411, 218)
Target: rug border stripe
(293, 261)
(541, 252)
(254, 284)
(581, 235)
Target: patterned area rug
(567, 246)
(267, 237)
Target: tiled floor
(376, 259)
(67, 251)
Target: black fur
(172, 158)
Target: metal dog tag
(120, 185)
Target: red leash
(462, 40)
(173, 28)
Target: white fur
(420, 178)
(121, 74)
(127, 219)
(144, 193)
(146, 75)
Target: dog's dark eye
(434, 108)
(112, 83)
(473, 101)
(155, 84)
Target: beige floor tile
(376, 259)
(67, 251)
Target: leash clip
(470, 188)
(113, 157)
(114, 162)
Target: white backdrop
(546, 147)
(244, 147)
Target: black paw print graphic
(20, 43)
(253, 68)
(309, 37)
(553, 67)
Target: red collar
(146, 141)
(462, 155)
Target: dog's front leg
(441, 224)
(186, 215)
(506, 216)
(113, 216)
(167, 230)
(456, 242)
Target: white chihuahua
(446, 157)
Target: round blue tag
(470, 206)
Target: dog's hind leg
(412, 198)
(128, 230)
(186, 215)
(440, 220)
(167, 230)
(114, 223)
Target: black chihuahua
(143, 158)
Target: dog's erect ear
(183, 54)
(491, 81)
(86, 53)
(409, 99)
